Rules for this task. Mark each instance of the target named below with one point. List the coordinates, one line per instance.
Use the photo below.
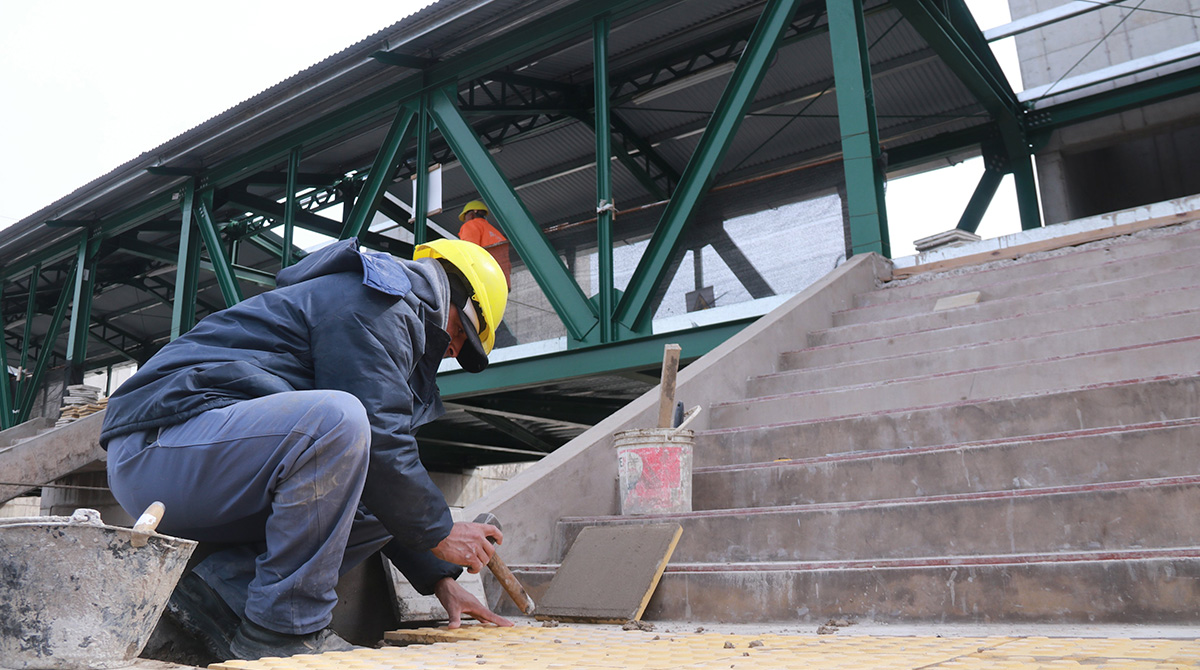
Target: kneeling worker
(283, 428)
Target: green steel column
(860, 134)
(6, 397)
(561, 289)
(290, 206)
(1027, 195)
(81, 307)
(421, 201)
(30, 312)
(604, 195)
(980, 199)
(634, 308)
(183, 308)
(367, 202)
(216, 255)
(30, 391)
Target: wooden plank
(666, 394)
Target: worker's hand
(467, 545)
(458, 601)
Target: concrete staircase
(1027, 455)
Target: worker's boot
(252, 642)
(201, 612)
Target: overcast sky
(88, 85)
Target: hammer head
(490, 519)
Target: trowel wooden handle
(511, 586)
(146, 523)
(149, 519)
(503, 575)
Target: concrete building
(1143, 155)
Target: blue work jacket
(342, 319)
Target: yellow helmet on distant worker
(488, 286)
(474, 205)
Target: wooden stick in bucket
(666, 398)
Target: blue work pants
(279, 479)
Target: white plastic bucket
(654, 467)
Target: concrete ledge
(579, 478)
(51, 455)
(1053, 236)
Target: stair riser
(983, 279)
(1032, 378)
(1182, 261)
(1121, 405)
(998, 352)
(1098, 592)
(1091, 459)
(850, 325)
(851, 347)
(1097, 520)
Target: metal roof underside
(524, 81)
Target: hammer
(503, 575)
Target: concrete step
(1116, 255)
(1034, 377)
(1051, 338)
(957, 327)
(1111, 516)
(1131, 402)
(1131, 586)
(1087, 456)
(1036, 294)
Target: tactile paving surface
(606, 648)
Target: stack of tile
(81, 400)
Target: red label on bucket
(655, 480)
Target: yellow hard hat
(474, 205)
(488, 287)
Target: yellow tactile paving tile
(608, 648)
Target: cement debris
(530, 647)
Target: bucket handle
(687, 418)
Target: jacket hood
(422, 281)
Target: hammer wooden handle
(511, 586)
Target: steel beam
(514, 430)
(316, 223)
(380, 175)
(633, 310)
(289, 207)
(955, 37)
(517, 223)
(421, 201)
(6, 385)
(861, 156)
(604, 192)
(216, 255)
(569, 22)
(612, 358)
(47, 350)
(980, 199)
(183, 309)
(81, 307)
(30, 312)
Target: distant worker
(284, 427)
(476, 229)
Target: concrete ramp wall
(580, 478)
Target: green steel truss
(465, 108)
